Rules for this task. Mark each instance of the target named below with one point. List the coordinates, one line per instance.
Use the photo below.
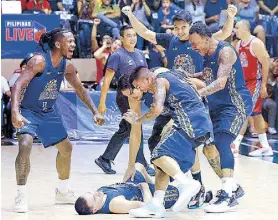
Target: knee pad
(223, 144)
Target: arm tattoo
(35, 65)
(81, 92)
(227, 58)
(157, 106)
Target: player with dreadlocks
(33, 98)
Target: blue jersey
(186, 107)
(42, 92)
(235, 94)
(123, 62)
(180, 54)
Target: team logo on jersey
(207, 76)
(243, 59)
(50, 91)
(184, 62)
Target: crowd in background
(96, 26)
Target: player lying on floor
(119, 198)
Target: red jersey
(250, 63)
(36, 5)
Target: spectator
(196, 9)
(142, 11)
(213, 9)
(164, 16)
(23, 5)
(268, 7)
(110, 15)
(67, 5)
(17, 72)
(248, 10)
(85, 10)
(5, 89)
(157, 57)
(40, 5)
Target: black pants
(123, 134)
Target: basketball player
(254, 60)
(229, 102)
(162, 123)
(179, 53)
(124, 60)
(182, 58)
(120, 198)
(33, 97)
(175, 153)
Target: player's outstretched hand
(18, 120)
(130, 116)
(232, 11)
(126, 10)
(98, 118)
(129, 173)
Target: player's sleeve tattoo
(158, 103)
(35, 65)
(81, 92)
(227, 58)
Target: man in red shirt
(254, 61)
(42, 5)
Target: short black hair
(183, 15)
(124, 28)
(201, 29)
(135, 74)
(81, 206)
(124, 83)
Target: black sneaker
(239, 192)
(104, 165)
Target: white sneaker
(223, 203)
(272, 130)
(265, 151)
(186, 192)
(65, 198)
(150, 210)
(21, 204)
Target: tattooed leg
(22, 162)
(63, 159)
(213, 158)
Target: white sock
(63, 186)
(227, 185)
(263, 140)
(159, 196)
(181, 178)
(235, 185)
(238, 140)
(21, 190)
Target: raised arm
(94, 34)
(81, 92)
(139, 27)
(227, 29)
(227, 57)
(35, 65)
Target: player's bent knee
(65, 148)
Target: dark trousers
(122, 135)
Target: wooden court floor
(259, 179)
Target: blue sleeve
(223, 5)
(144, 59)
(164, 39)
(113, 62)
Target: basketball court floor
(259, 178)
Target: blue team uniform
(132, 192)
(37, 101)
(192, 124)
(231, 106)
(180, 54)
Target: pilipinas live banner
(78, 119)
(21, 33)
